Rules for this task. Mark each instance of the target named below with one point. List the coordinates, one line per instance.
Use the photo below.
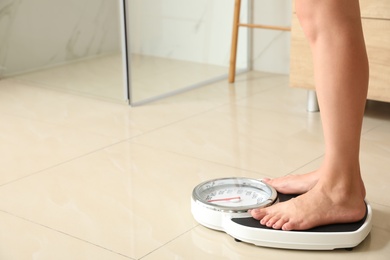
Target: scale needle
(232, 199)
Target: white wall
(200, 31)
(271, 49)
(192, 30)
(41, 33)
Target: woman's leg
(335, 192)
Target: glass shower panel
(180, 44)
(73, 46)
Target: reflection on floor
(101, 77)
(154, 76)
(83, 178)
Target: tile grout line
(175, 122)
(382, 205)
(234, 102)
(61, 163)
(369, 130)
(168, 242)
(64, 233)
(118, 142)
(204, 160)
(305, 164)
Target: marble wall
(200, 31)
(37, 34)
(271, 49)
(190, 30)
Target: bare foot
(294, 184)
(321, 205)
(299, 184)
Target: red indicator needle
(225, 199)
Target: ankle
(342, 189)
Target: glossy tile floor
(89, 77)
(169, 75)
(86, 77)
(87, 179)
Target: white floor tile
(83, 178)
(22, 240)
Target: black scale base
(348, 227)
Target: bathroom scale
(223, 204)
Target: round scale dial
(234, 194)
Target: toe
(265, 220)
(288, 226)
(279, 224)
(258, 213)
(266, 180)
(272, 221)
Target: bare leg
(335, 192)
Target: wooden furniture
(236, 25)
(376, 25)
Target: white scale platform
(211, 208)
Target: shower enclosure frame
(126, 50)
